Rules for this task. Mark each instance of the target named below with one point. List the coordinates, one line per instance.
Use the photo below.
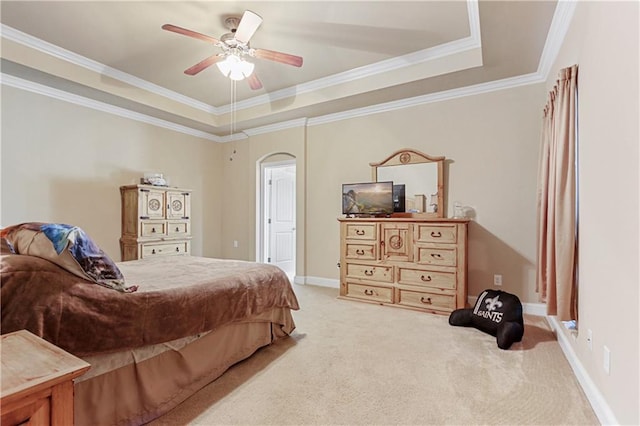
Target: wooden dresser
(405, 262)
(156, 221)
(37, 381)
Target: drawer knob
(153, 230)
(436, 255)
(426, 301)
(435, 234)
(153, 251)
(178, 249)
(359, 231)
(368, 292)
(177, 229)
(425, 279)
(359, 252)
(368, 272)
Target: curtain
(556, 221)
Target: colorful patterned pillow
(69, 247)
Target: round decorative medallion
(405, 157)
(176, 205)
(395, 242)
(154, 204)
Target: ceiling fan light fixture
(235, 68)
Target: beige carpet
(354, 363)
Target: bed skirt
(143, 390)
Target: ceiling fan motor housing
(232, 23)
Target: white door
(280, 208)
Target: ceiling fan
(235, 46)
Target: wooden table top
(30, 364)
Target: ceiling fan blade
(254, 82)
(284, 58)
(190, 33)
(203, 64)
(247, 26)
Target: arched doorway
(277, 217)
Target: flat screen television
(367, 199)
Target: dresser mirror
(423, 178)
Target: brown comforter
(178, 296)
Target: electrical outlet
(607, 360)
(235, 243)
(590, 339)
(497, 279)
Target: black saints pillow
(497, 313)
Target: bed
(189, 320)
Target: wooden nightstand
(37, 381)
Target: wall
(491, 142)
(64, 163)
(603, 41)
(485, 138)
(241, 166)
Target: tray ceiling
(356, 54)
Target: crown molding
(425, 55)
(474, 21)
(557, 31)
(30, 86)
(492, 86)
(473, 41)
(30, 41)
(414, 58)
(233, 137)
(298, 122)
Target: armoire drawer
(361, 250)
(165, 249)
(370, 292)
(418, 299)
(421, 277)
(446, 234)
(440, 256)
(153, 228)
(361, 231)
(176, 228)
(370, 272)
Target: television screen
(371, 198)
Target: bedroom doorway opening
(278, 219)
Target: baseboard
(597, 401)
(322, 282)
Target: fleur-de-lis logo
(493, 303)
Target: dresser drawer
(152, 228)
(418, 299)
(446, 280)
(436, 256)
(447, 234)
(370, 272)
(361, 250)
(165, 249)
(361, 231)
(370, 292)
(176, 228)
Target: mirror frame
(411, 156)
